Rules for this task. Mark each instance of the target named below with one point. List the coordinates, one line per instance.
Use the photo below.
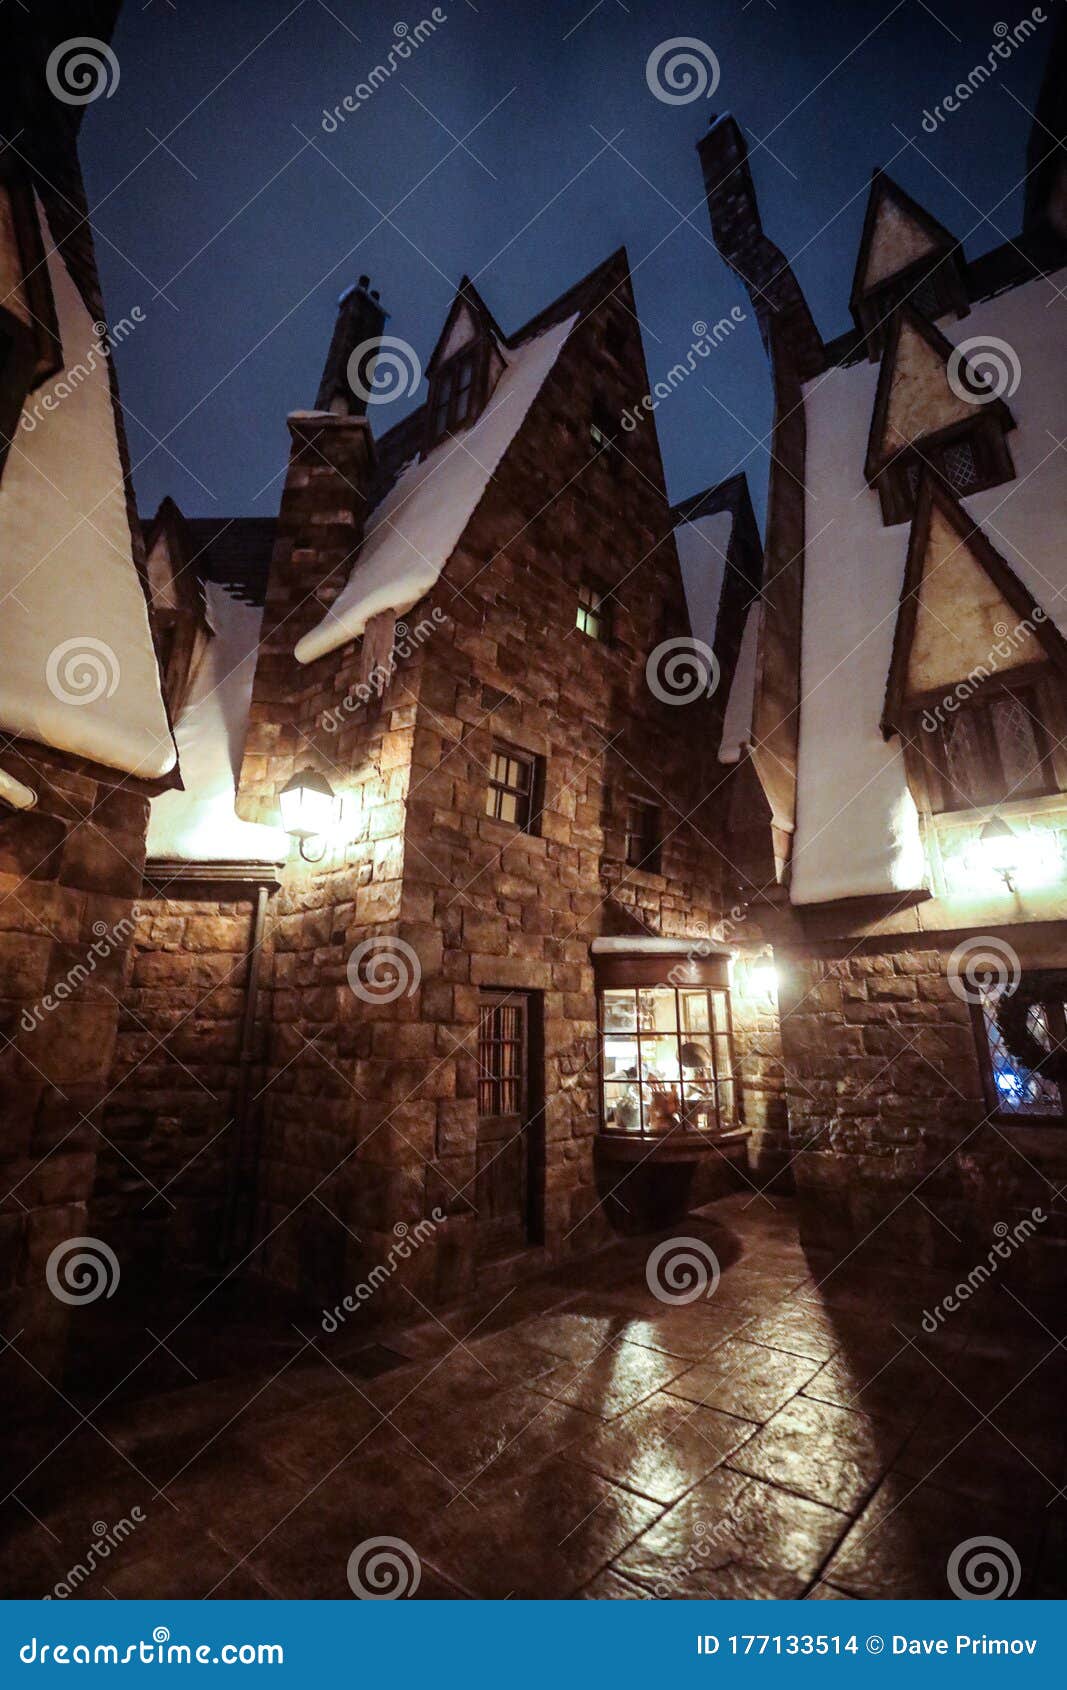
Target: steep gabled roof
(897, 421)
(469, 303)
(946, 542)
(892, 216)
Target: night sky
(252, 219)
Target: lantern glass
(308, 805)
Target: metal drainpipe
(242, 1158)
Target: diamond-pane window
(993, 749)
(1017, 1091)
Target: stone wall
(164, 1174)
(69, 872)
(892, 1142)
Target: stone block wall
(70, 870)
(164, 1173)
(893, 1146)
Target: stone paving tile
(832, 1455)
(745, 1379)
(662, 1447)
(730, 1524)
(898, 1388)
(901, 1543)
(575, 1337)
(614, 1381)
(189, 1573)
(692, 1332)
(956, 1451)
(504, 1440)
(609, 1586)
(544, 1537)
(803, 1330)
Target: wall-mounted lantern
(310, 811)
(999, 845)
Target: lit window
(593, 615)
(667, 1062)
(1012, 1088)
(501, 1057)
(643, 835)
(994, 748)
(512, 791)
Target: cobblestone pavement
(796, 1433)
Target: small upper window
(594, 612)
(513, 787)
(643, 835)
(964, 462)
(601, 426)
(615, 341)
(993, 749)
(452, 395)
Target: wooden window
(594, 612)
(514, 783)
(501, 1057)
(1012, 1090)
(453, 400)
(993, 749)
(667, 1059)
(643, 835)
(964, 460)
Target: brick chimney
(735, 223)
(328, 488)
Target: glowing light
(1003, 861)
(309, 810)
(762, 981)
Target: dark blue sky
(253, 234)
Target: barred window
(501, 1041)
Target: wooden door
(502, 1182)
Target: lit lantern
(309, 810)
(762, 982)
(1000, 848)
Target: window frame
(492, 1007)
(705, 976)
(1057, 1024)
(476, 354)
(600, 612)
(33, 352)
(925, 753)
(533, 792)
(651, 859)
(992, 457)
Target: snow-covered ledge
(639, 945)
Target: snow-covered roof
(857, 827)
(740, 702)
(640, 945)
(414, 531)
(79, 671)
(199, 824)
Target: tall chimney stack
(360, 321)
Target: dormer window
(993, 749)
(964, 460)
(906, 257)
(453, 395)
(937, 293)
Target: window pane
(695, 1012)
(509, 807)
(622, 1108)
(959, 465)
(620, 1011)
(964, 761)
(658, 1007)
(1018, 1090)
(462, 404)
(620, 1059)
(1017, 747)
(726, 1101)
(659, 1058)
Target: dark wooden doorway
(509, 1175)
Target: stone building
(908, 714)
(85, 735)
(470, 644)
